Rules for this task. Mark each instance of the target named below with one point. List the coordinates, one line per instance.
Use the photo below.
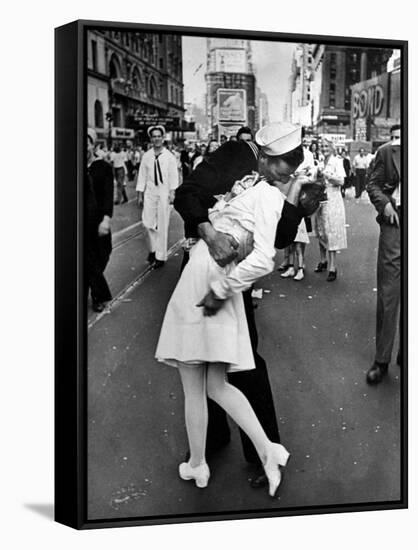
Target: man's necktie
(158, 177)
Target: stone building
(134, 79)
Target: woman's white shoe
(299, 275)
(200, 473)
(277, 456)
(290, 272)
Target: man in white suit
(157, 181)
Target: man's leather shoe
(260, 479)
(98, 307)
(377, 372)
(151, 258)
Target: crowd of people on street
(241, 198)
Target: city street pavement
(318, 341)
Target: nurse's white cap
(278, 138)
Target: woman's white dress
(330, 216)
(187, 336)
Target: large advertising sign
(369, 98)
(230, 61)
(232, 105)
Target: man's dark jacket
(216, 176)
(385, 176)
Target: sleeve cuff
(221, 289)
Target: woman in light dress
(205, 333)
(330, 217)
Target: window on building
(94, 55)
(117, 119)
(152, 87)
(136, 79)
(161, 63)
(98, 114)
(114, 68)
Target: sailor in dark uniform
(99, 210)
(277, 155)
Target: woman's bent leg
(195, 410)
(238, 407)
(234, 402)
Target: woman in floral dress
(330, 217)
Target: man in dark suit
(278, 156)
(99, 210)
(384, 188)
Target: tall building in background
(300, 105)
(261, 109)
(134, 80)
(335, 70)
(230, 85)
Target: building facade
(300, 105)
(335, 69)
(230, 86)
(376, 104)
(134, 80)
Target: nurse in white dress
(205, 333)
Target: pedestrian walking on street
(384, 189)
(118, 159)
(99, 207)
(157, 180)
(279, 157)
(330, 217)
(294, 256)
(360, 165)
(347, 170)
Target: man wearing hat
(157, 181)
(277, 155)
(99, 209)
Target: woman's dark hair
(293, 157)
(311, 145)
(184, 157)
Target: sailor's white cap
(92, 134)
(279, 138)
(156, 127)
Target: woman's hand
(211, 304)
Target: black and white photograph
(243, 264)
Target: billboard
(232, 105)
(230, 61)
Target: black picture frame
(70, 288)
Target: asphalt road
(318, 341)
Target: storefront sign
(336, 139)
(232, 105)
(122, 133)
